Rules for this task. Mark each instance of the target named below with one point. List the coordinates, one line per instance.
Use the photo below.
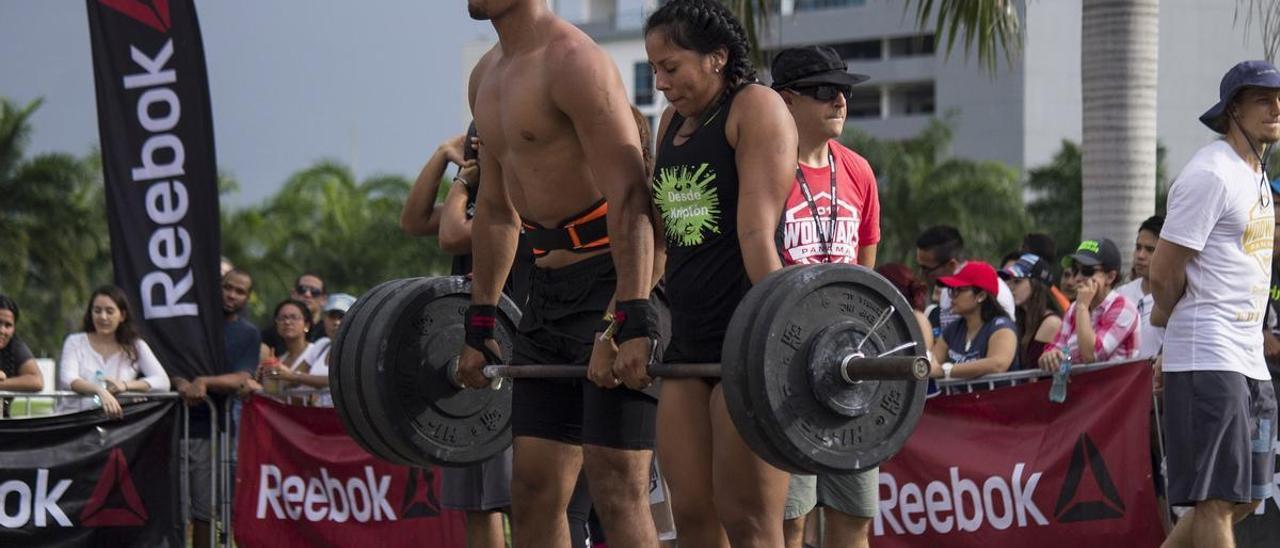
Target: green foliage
(1056, 208)
(990, 26)
(53, 232)
(325, 222)
(921, 185)
(56, 246)
(754, 15)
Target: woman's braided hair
(705, 26)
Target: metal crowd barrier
(184, 466)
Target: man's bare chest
(516, 114)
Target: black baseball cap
(812, 66)
(1101, 252)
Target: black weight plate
(409, 397)
(344, 372)
(734, 363)
(795, 424)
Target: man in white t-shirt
(940, 252)
(1138, 291)
(1210, 276)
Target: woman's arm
(765, 143)
(1001, 348)
(455, 227)
(420, 217)
(28, 378)
(153, 376)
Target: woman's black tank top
(695, 189)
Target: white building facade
(1018, 116)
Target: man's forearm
(1167, 288)
(631, 241)
(494, 249)
(226, 383)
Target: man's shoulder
(848, 155)
(1131, 290)
(1208, 166)
(240, 328)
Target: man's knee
(616, 476)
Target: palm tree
(52, 230)
(324, 221)
(922, 185)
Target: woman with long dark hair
(1038, 315)
(107, 357)
(726, 160)
(18, 369)
(984, 340)
(293, 323)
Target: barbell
(821, 372)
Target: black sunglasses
(1085, 271)
(826, 92)
(308, 290)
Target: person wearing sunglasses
(1210, 275)
(308, 289)
(1101, 325)
(832, 215)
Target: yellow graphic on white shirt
(1257, 242)
(1259, 234)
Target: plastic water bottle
(101, 379)
(1058, 392)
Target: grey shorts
(1219, 430)
(854, 494)
(199, 469)
(483, 487)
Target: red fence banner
(1009, 468)
(301, 481)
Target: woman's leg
(684, 452)
(749, 493)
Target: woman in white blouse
(293, 322)
(108, 357)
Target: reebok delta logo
(152, 13)
(1085, 454)
(115, 501)
(419, 498)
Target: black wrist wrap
(635, 319)
(479, 324)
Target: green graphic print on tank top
(688, 202)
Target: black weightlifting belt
(586, 231)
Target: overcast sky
(374, 84)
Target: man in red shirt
(832, 216)
(833, 212)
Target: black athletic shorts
(1219, 431)
(559, 324)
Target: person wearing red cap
(984, 340)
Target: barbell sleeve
(856, 369)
